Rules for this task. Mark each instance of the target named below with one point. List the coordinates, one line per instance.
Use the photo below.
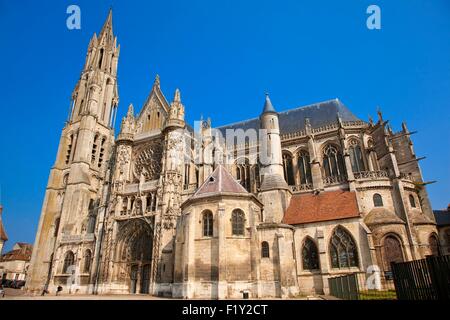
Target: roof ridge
(286, 111)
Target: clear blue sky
(223, 55)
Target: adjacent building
(14, 264)
(443, 225)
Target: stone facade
(15, 263)
(162, 210)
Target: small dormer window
(211, 179)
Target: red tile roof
(326, 206)
(23, 254)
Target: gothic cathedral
(161, 209)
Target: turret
(275, 193)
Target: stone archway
(134, 255)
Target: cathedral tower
(66, 233)
(172, 184)
(275, 192)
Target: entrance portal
(135, 254)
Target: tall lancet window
(288, 169)
(343, 251)
(208, 224)
(333, 162)
(304, 167)
(310, 255)
(69, 260)
(356, 157)
(238, 222)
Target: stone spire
(128, 123)
(106, 36)
(268, 107)
(176, 114)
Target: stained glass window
(265, 249)
(238, 222)
(207, 224)
(343, 251)
(310, 255)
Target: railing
(70, 238)
(406, 176)
(334, 180)
(426, 279)
(359, 286)
(371, 175)
(301, 187)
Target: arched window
(412, 201)
(243, 173)
(356, 157)
(333, 162)
(304, 167)
(377, 200)
(392, 251)
(310, 255)
(68, 261)
(69, 149)
(257, 175)
(343, 250)
(187, 170)
(100, 60)
(434, 245)
(238, 173)
(265, 253)
(238, 222)
(288, 169)
(208, 224)
(87, 261)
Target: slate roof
(268, 107)
(220, 181)
(293, 120)
(442, 217)
(326, 206)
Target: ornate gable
(154, 112)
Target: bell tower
(66, 227)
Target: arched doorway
(135, 243)
(392, 251)
(434, 245)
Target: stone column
(323, 259)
